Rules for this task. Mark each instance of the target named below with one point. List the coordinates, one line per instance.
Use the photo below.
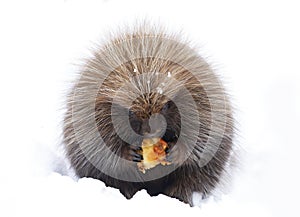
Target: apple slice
(154, 153)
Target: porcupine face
(145, 85)
(141, 124)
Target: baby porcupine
(148, 84)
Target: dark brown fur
(186, 175)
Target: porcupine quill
(141, 84)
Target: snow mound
(58, 195)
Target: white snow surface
(255, 47)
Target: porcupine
(147, 83)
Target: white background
(255, 47)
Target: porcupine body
(148, 83)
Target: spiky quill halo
(141, 70)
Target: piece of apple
(154, 153)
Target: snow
(253, 44)
(57, 195)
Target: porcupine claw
(136, 154)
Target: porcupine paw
(174, 154)
(132, 153)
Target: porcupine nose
(145, 128)
(155, 127)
